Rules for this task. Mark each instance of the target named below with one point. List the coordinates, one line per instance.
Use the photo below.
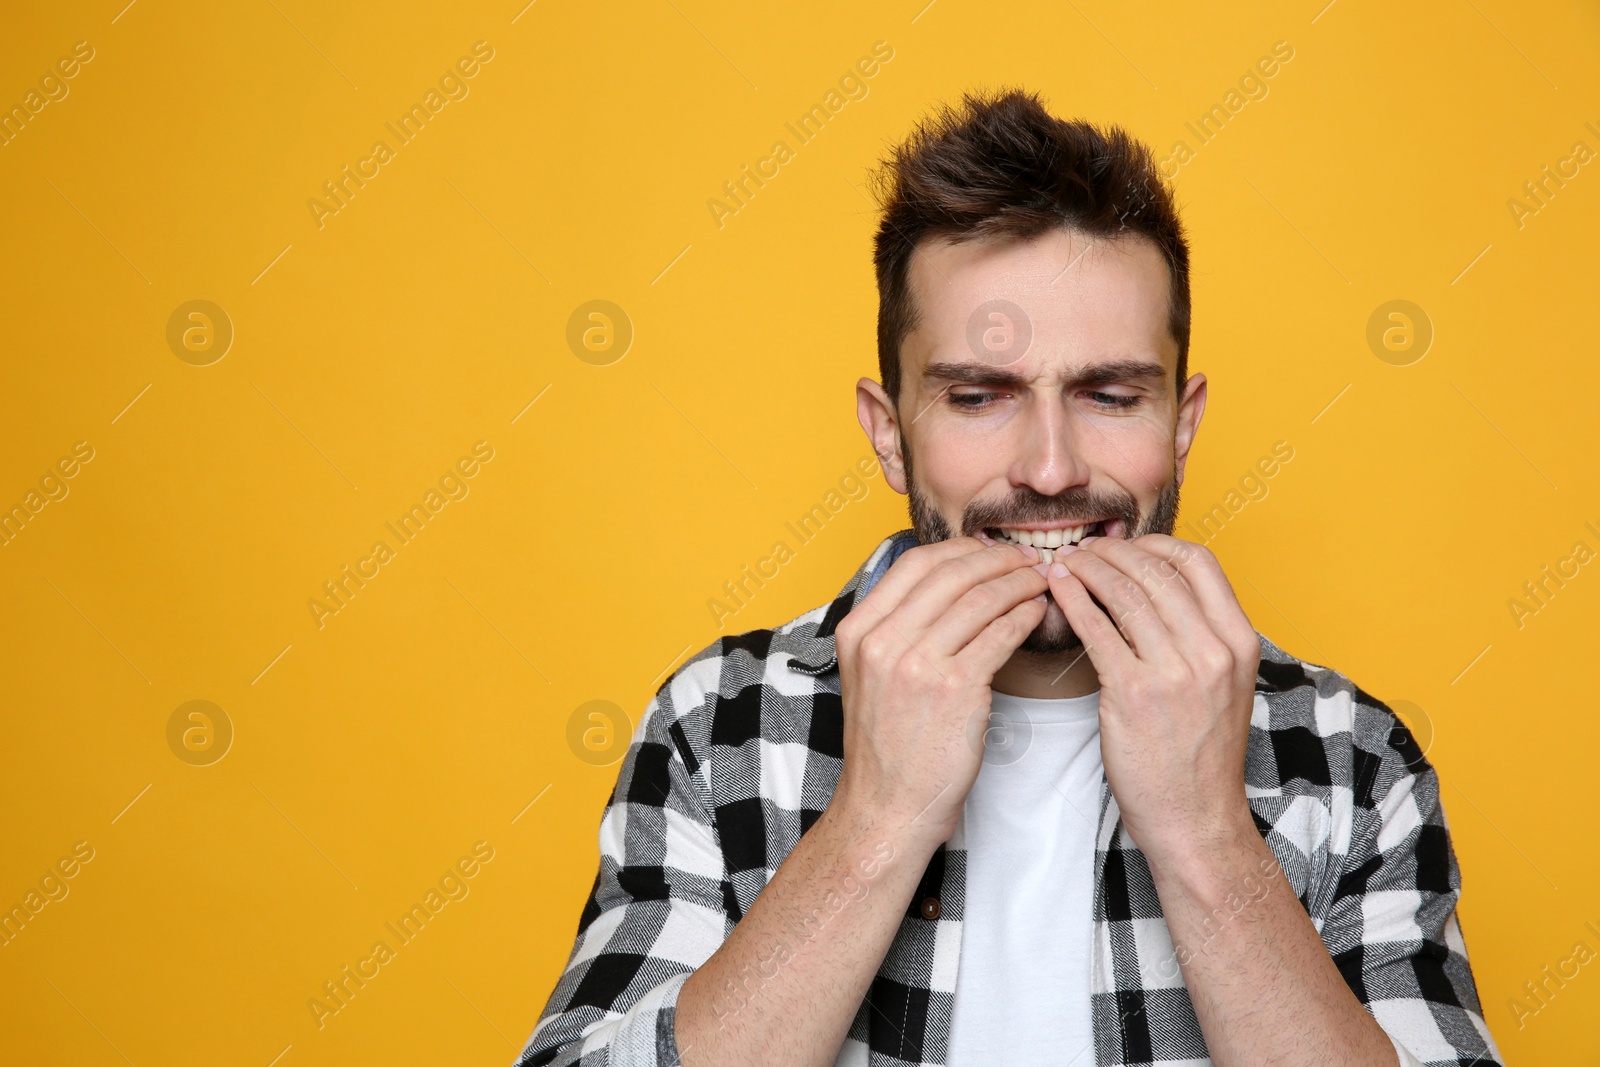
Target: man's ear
(877, 415)
(1190, 408)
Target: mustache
(1033, 507)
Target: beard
(1054, 635)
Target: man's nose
(1051, 455)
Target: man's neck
(1066, 674)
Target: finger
(1103, 642)
(986, 653)
(909, 571)
(1125, 602)
(1212, 591)
(979, 606)
(936, 594)
(1164, 587)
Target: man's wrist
(860, 817)
(1210, 860)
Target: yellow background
(371, 353)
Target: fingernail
(1064, 549)
(1040, 597)
(1086, 540)
(1029, 551)
(1042, 568)
(986, 539)
(1058, 570)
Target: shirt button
(931, 908)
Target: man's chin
(1053, 636)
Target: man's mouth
(1048, 540)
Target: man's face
(1037, 391)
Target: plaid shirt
(738, 755)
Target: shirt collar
(815, 653)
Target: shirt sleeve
(1392, 927)
(654, 915)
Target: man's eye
(970, 401)
(1115, 400)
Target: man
(1060, 802)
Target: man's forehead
(1070, 298)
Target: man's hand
(916, 659)
(1177, 683)
(1177, 662)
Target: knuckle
(875, 652)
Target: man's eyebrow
(1110, 371)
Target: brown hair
(1002, 165)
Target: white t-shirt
(1022, 988)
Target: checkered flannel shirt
(740, 750)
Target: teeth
(1044, 540)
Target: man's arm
(1177, 673)
(916, 659)
(656, 975)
